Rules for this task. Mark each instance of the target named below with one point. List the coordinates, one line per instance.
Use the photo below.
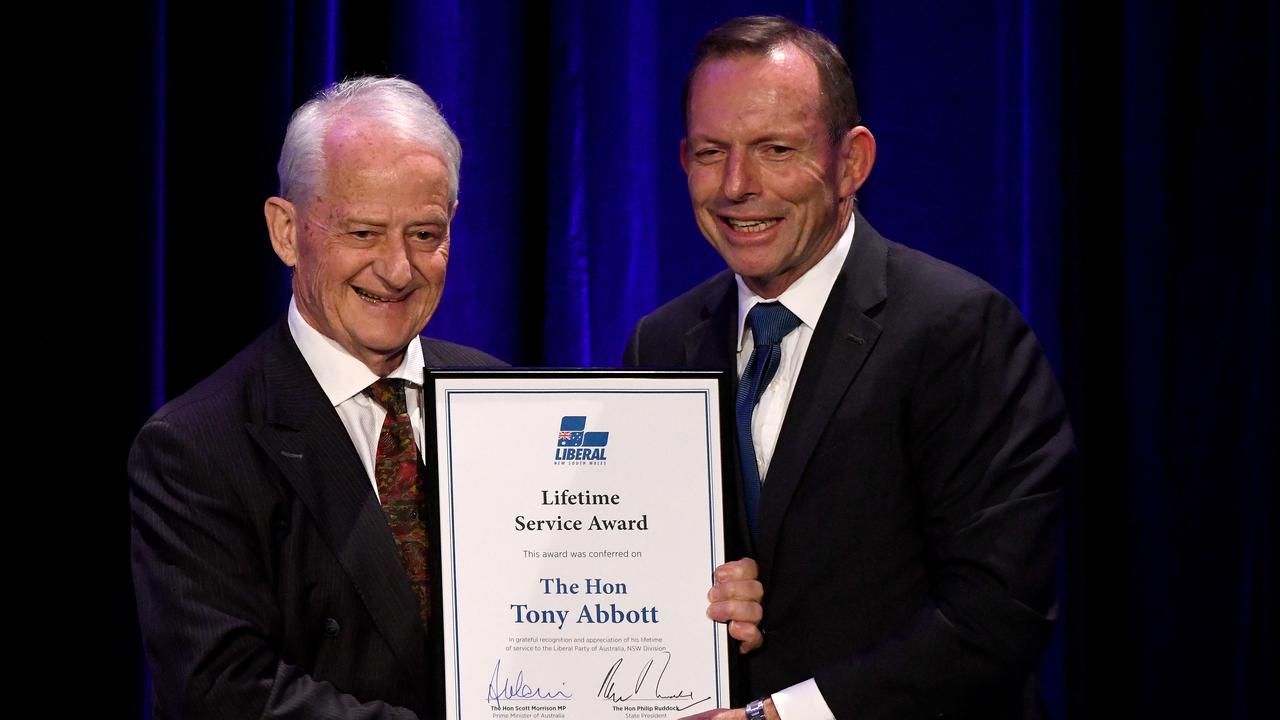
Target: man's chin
(384, 345)
(386, 348)
(752, 269)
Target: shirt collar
(808, 294)
(340, 374)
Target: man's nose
(740, 177)
(392, 262)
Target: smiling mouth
(375, 298)
(750, 226)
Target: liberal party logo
(577, 446)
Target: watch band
(755, 709)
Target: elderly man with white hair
(279, 540)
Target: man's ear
(684, 159)
(858, 154)
(282, 226)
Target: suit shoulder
(204, 428)
(222, 394)
(911, 267)
(927, 284)
(442, 353)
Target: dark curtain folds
(1109, 166)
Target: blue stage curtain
(1109, 166)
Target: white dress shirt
(344, 378)
(805, 298)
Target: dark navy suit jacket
(908, 520)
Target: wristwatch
(755, 709)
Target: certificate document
(579, 523)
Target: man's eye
(424, 235)
(708, 154)
(778, 150)
(362, 234)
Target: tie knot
(389, 393)
(770, 322)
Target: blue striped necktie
(770, 322)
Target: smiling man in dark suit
(279, 544)
(901, 439)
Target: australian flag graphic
(573, 433)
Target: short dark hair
(760, 34)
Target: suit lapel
(841, 343)
(713, 343)
(308, 442)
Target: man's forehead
(783, 81)
(785, 64)
(362, 156)
(371, 210)
(353, 137)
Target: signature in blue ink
(501, 688)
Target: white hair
(390, 101)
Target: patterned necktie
(770, 322)
(400, 488)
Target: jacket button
(331, 628)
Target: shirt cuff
(802, 701)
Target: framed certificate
(579, 521)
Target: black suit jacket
(267, 581)
(907, 523)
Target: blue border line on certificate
(453, 542)
(453, 553)
(715, 627)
